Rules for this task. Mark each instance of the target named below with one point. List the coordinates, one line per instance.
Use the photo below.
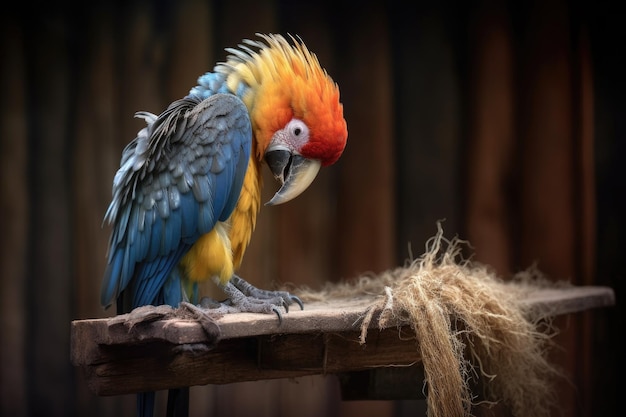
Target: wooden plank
(337, 352)
(570, 300)
(138, 351)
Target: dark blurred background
(506, 119)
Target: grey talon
(297, 301)
(279, 314)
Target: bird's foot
(143, 316)
(205, 319)
(245, 297)
(147, 314)
(283, 298)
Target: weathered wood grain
(138, 351)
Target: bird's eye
(298, 129)
(295, 134)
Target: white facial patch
(292, 137)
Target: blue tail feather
(145, 404)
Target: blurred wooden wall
(503, 118)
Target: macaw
(188, 190)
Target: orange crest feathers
(285, 81)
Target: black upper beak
(294, 172)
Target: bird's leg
(254, 292)
(187, 310)
(244, 297)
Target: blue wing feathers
(155, 240)
(110, 286)
(172, 291)
(121, 230)
(131, 225)
(127, 269)
(182, 174)
(201, 189)
(188, 216)
(152, 276)
(171, 231)
(174, 197)
(143, 239)
(163, 207)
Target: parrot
(187, 193)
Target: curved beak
(294, 173)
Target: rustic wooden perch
(161, 350)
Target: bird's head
(296, 115)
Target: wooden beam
(155, 348)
